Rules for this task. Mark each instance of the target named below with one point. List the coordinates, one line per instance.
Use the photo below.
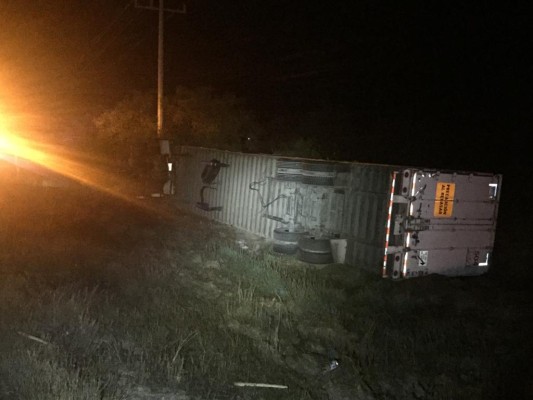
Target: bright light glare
(47, 159)
(15, 146)
(22, 131)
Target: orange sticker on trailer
(444, 200)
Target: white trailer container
(400, 222)
(440, 222)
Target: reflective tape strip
(388, 226)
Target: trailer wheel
(314, 245)
(315, 258)
(286, 241)
(284, 247)
(287, 235)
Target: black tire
(287, 235)
(314, 245)
(315, 258)
(285, 248)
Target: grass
(153, 308)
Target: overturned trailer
(400, 222)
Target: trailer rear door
(441, 223)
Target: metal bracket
(400, 199)
(416, 224)
(202, 205)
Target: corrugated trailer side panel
(232, 200)
(365, 216)
(356, 210)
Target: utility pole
(151, 5)
(164, 145)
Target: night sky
(415, 83)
